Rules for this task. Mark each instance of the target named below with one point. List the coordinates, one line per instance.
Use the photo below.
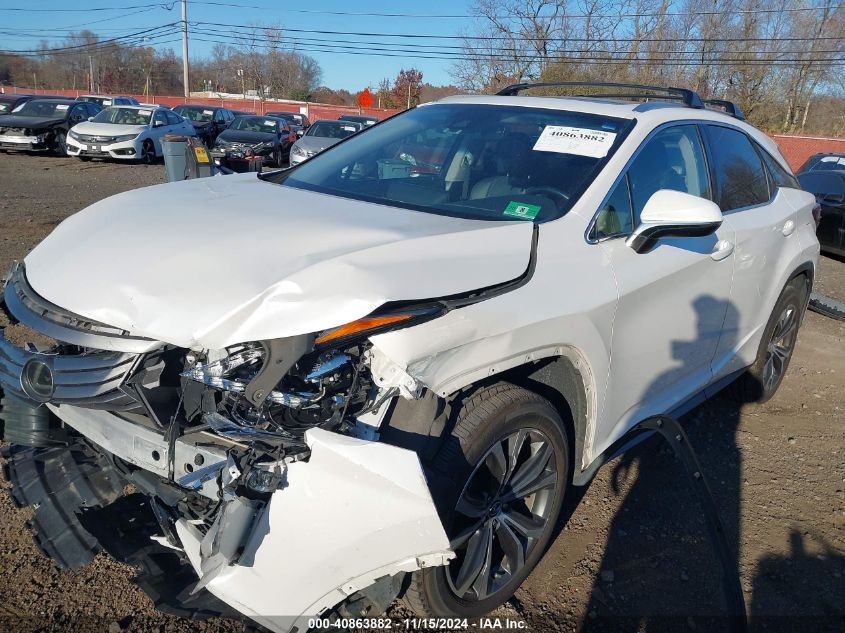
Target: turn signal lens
(361, 325)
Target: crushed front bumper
(355, 513)
(20, 142)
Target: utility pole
(90, 74)
(185, 48)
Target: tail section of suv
(383, 378)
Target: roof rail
(689, 97)
(729, 107)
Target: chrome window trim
(705, 146)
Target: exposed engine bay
(234, 455)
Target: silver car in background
(319, 136)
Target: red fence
(313, 111)
(796, 149)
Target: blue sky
(352, 72)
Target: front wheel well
(422, 425)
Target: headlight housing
(73, 135)
(125, 137)
(262, 147)
(296, 150)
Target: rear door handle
(788, 228)
(722, 249)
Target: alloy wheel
(147, 153)
(502, 513)
(780, 347)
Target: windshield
(469, 160)
(124, 116)
(830, 162)
(287, 116)
(43, 109)
(332, 129)
(255, 124)
(195, 113)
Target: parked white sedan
(126, 132)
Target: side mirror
(158, 124)
(833, 198)
(90, 118)
(674, 214)
(299, 133)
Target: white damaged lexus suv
(378, 374)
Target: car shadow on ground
(659, 570)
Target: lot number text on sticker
(575, 140)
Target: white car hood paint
(107, 129)
(217, 261)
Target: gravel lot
(634, 554)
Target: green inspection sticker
(522, 210)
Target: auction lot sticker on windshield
(62, 106)
(575, 140)
(145, 112)
(208, 111)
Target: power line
(451, 49)
(718, 61)
(164, 5)
(169, 6)
(505, 38)
(140, 36)
(98, 43)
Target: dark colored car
(209, 121)
(824, 161)
(829, 188)
(42, 124)
(366, 121)
(266, 136)
(299, 122)
(9, 102)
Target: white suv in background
(382, 373)
(126, 132)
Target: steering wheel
(557, 196)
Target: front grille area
(90, 379)
(89, 363)
(13, 131)
(88, 138)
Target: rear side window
(780, 177)
(740, 176)
(672, 159)
(172, 118)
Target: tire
(277, 158)
(148, 152)
(60, 144)
(477, 509)
(761, 380)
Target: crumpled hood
(31, 122)
(246, 137)
(107, 129)
(216, 261)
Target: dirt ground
(634, 555)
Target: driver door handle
(722, 250)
